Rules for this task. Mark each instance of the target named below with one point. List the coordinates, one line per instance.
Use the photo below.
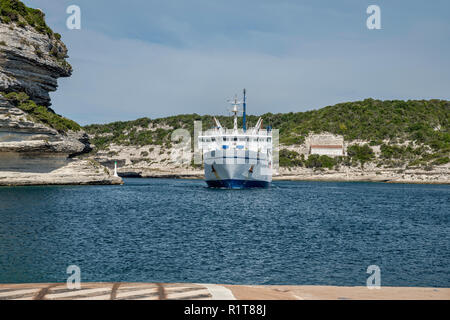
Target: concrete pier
(191, 291)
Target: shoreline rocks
(439, 175)
(414, 176)
(32, 153)
(75, 172)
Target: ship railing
(239, 132)
(261, 146)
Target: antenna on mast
(235, 109)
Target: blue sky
(141, 58)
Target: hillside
(391, 133)
(14, 11)
(37, 146)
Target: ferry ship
(237, 158)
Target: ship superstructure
(237, 158)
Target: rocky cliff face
(31, 62)
(150, 161)
(19, 132)
(33, 152)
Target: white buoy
(115, 169)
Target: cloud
(126, 79)
(147, 58)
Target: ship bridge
(225, 139)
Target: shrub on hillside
(41, 113)
(362, 153)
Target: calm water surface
(159, 230)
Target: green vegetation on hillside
(41, 113)
(289, 158)
(371, 120)
(423, 125)
(360, 153)
(16, 11)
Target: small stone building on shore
(326, 144)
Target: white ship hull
(248, 170)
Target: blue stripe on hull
(237, 184)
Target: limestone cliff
(19, 132)
(143, 148)
(37, 146)
(31, 62)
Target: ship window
(213, 139)
(268, 139)
(224, 139)
(235, 139)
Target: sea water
(161, 230)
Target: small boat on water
(237, 158)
